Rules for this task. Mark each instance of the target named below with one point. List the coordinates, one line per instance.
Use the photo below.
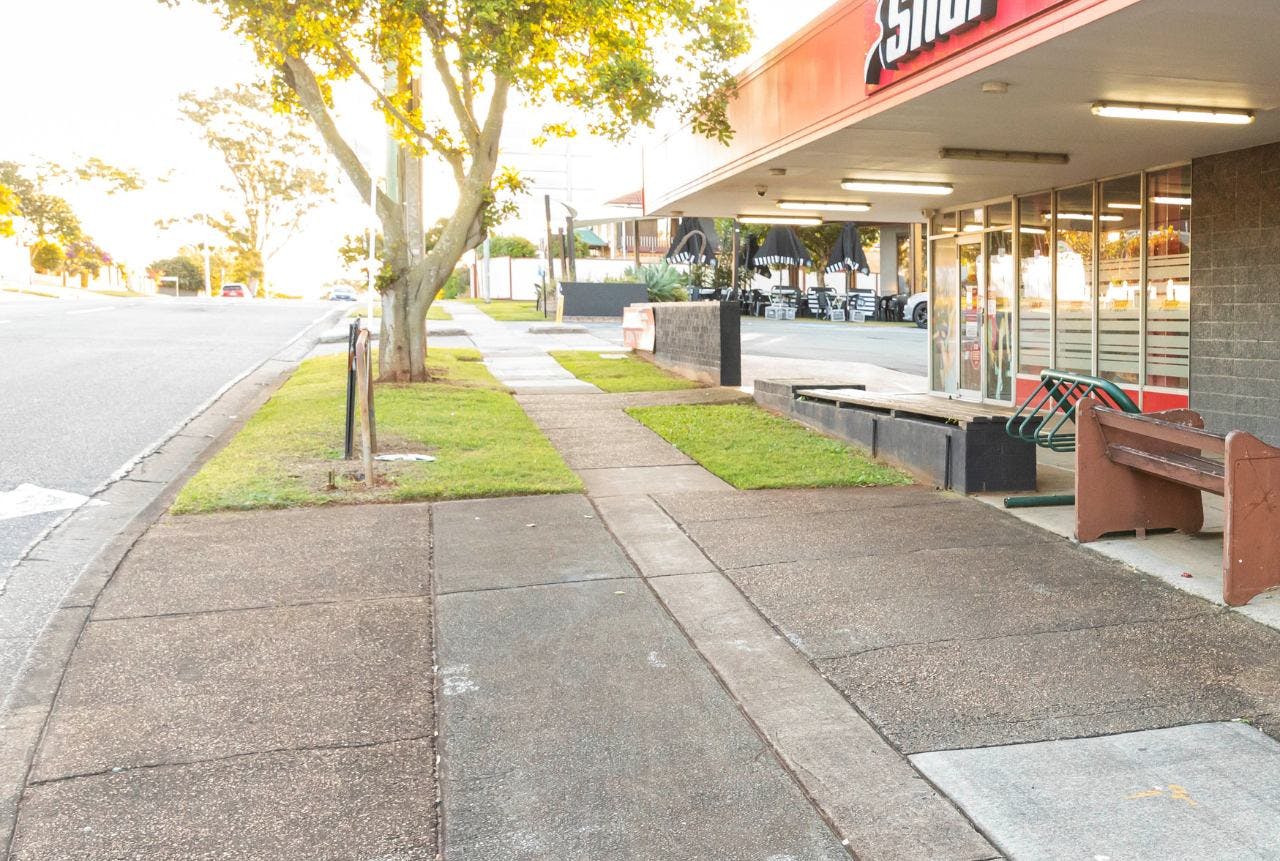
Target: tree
(9, 207)
(47, 257)
(619, 64)
(511, 246)
(84, 259)
(818, 241)
(189, 272)
(277, 168)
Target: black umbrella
(694, 242)
(749, 256)
(847, 254)
(782, 247)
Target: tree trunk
(402, 354)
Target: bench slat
(1165, 431)
(1188, 469)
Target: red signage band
(914, 34)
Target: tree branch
(460, 105)
(302, 81)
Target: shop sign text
(910, 27)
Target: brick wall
(1235, 291)
(700, 339)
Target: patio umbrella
(694, 242)
(782, 247)
(749, 256)
(847, 254)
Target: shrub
(664, 282)
(459, 282)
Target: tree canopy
(9, 207)
(617, 64)
(278, 170)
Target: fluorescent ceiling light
(894, 186)
(1124, 206)
(1172, 201)
(1034, 231)
(1083, 216)
(824, 206)
(1005, 155)
(1172, 113)
(794, 220)
(973, 228)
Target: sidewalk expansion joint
(548, 585)
(298, 605)
(231, 757)
(1018, 634)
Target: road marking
(27, 499)
(92, 310)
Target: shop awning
(590, 237)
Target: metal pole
(373, 214)
(733, 263)
(571, 249)
(635, 239)
(208, 282)
(551, 268)
(348, 445)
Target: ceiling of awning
(1162, 51)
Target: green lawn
(627, 374)
(511, 311)
(435, 312)
(753, 449)
(283, 457)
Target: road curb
(25, 709)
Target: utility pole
(551, 267)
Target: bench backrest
(1170, 445)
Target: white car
(917, 309)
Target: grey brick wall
(702, 339)
(1235, 291)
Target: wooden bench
(1140, 472)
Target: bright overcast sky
(111, 90)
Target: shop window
(999, 314)
(1169, 277)
(1035, 284)
(1000, 214)
(943, 307)
(1073, 260)
(1120, 279)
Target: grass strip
(753, 449)
(287, 452)
(626, 374)
(511, 310)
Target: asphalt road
(86, 386)
(898, 348)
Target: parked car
(235, 291)
(917, 309)
(343, 294)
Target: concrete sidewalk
(662, 668)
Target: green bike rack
(1047, 419)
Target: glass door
(973, 289)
